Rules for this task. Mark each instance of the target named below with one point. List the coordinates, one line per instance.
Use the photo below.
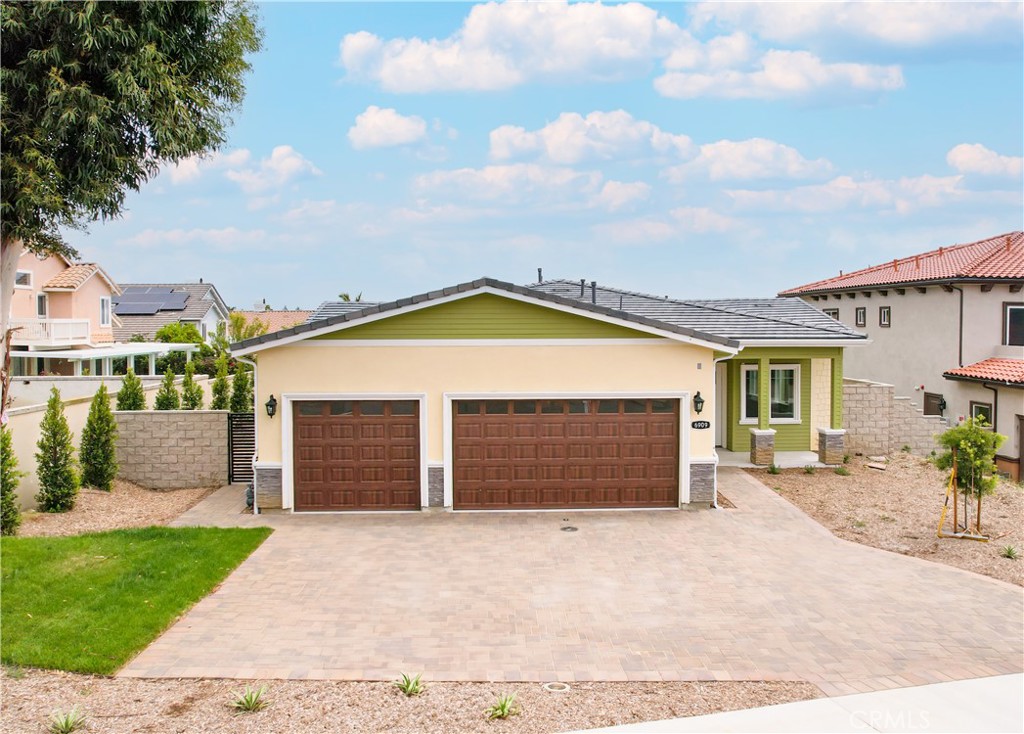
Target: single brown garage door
(541, 454)
(357, 455)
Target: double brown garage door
(507, 454)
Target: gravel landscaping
(138, 705)
(127, 505)
(898, 510)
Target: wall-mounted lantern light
(271, 406)
(698, 403)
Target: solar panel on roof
(136, 308)
(163, 299)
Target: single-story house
(558, 395)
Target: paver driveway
(757, 592)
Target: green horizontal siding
(788, 436)
(487, 316)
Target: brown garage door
(538, 454)
(357, 455)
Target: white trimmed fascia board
(320, 343)
(492, 291)
(803, 343)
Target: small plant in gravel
(167, 397)
(250, 700)
(1009, 552)
(772, 469)
(14, 672)
(55, 461)
(810, 469)
(131, 396)
(846, 458)
(905, 449)
(99, 438)
(842, 471)
(65, 723)
(410, 685)
(10, 477)
(504, 707)
(859, 524)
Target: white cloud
(310, 209)
(501, 45)
(843, 192)
(509, 184)
(384, 127)
(600, 135)
(284, 165)
(896, 24)
(700, 220)
(779, 75)
(976, 158)
(615, 195)
(748, 159)
(679, 223)
(192, 168)
(226, 239)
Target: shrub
(167, 396)
(503, 707)
(221, 389)
(55, 462)
(250, 700)
(810, 469)
(410, 685)
(1009, 552)
(191, 393)
(10, 514)
(66, 723)
(976, 447)
(131, 396)
(774, 469)
(98, 453)
(842, 471)
(241, 392)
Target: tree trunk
(10, 252)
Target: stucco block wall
(877, 421)
(168, 449)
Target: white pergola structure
(99, 360)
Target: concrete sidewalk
(993, 704)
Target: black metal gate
(241, 446)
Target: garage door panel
(567, 453)
(356, 455)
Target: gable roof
(485, 285)
(276, 320)
(747, 320)
(201, 298)
(996, 258)
(75, 276)
(994, 369)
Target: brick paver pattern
(760, 592)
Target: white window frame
(31, 279)
(885, 316)
(987, 407)
(105, 302)
(46, 300)
(832, 313)
(745, 420)
(860, 316)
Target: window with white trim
(861, 315)
(783, 393)
(885, 316)
(23, 279)
(42, 305)
(104, 311)
(832, 313)
(1013, 324)
(982, 411)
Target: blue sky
(701, 150)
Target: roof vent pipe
(593, 291)
(540, 275)
(583, 287)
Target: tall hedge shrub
(221, 390)
(98, 453)
(55, 460)
(241, 392)
(167, 395)
(191, 391)
(131, 396)
(10, 477)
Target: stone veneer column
(268, 487)
(702, 483)
(762, 446)
(831, 445)
(435, 486)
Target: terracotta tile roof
(999, 257)
(75, 276)
(276, 320)
(995, 369)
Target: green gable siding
(487, 316)
(788, 436)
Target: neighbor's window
(783, 392)
(42, 305)
(982, 411)
(1013, 324)
(862, 316)
(884, 315)
(832, 313)
(23, 279)
(104, 312)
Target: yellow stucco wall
(662, 366)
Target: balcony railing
(50, 332)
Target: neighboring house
(275, 320)
(946, 327)
(58, 305)
(145, 307)
(491, 396)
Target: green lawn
(89, 603)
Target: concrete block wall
(169, 449)
(879, 422)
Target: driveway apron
(760, 592)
